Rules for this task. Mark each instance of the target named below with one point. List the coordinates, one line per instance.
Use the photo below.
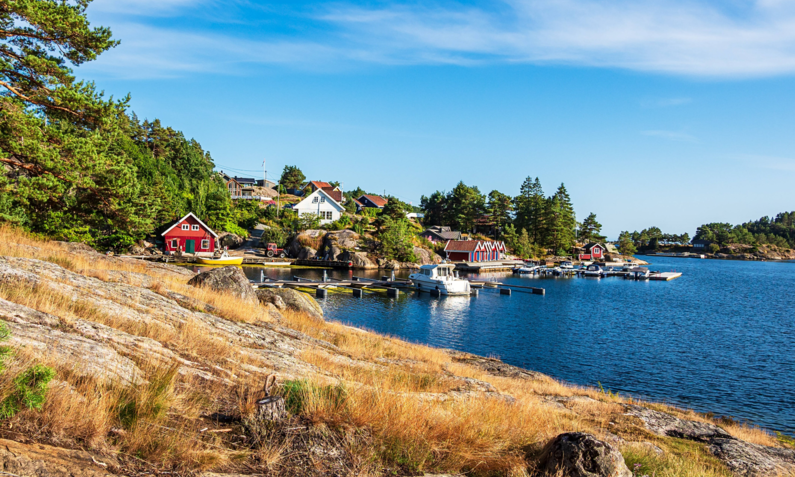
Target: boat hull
(220, 261)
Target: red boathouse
(190, 235)
(593, 251)
(474, 250)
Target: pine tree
(530, 208)
(500, 207)
(560, 222)
(625, 244)
(589, 230)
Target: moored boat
(566, 265)
(593, 270)
(224, 259)
(441, 277)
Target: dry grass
(386, 387)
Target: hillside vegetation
(153, 374)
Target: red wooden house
(474, 250)
(593, 251)
(190, 235)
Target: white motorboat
(593, 270)
(566, 265)
(525, 270)
(441, 277)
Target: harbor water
(719, 339)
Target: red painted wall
(458, 256)
(183, 235)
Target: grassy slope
(382, 400)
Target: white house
(321, 204)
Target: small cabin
(190, 235)
(475, 250)
(593, 251)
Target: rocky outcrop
(292, 299)
(18, 459)
(426, 257)
(306, 253)
(308, 239)
(230, 240)
(344, 239)
(576, 454)
(359, 260)
(494, 366)
(743, 458)
(230, 280)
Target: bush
(274, 235)
(30, 389)
(396, 243)
(713, 248)
(307, 222)
(236, 229)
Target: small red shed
(593, 251)
(190, 235)
(474, 250)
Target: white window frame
(174, 243)
(322, 199)
(314, 200)
(194, 227)
(205, 244)
(185, 227)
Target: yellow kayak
(220, 261)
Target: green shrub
(236, 229)
(5, 351)
(274, 235)
(714, 248)
(297, 393)
(30, 389)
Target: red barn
(474, 250)
(593, 251)
(190, 235)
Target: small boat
(441, 277)
(525, 270)
(224, 259)
(639, 273)
(593, 270)
(566, 265)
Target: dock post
(321, 292)
(357, 292)
(393, 275)
(392, 292)
(262, 275)
(435, 292)
(325, 276)
(539, 291)
(473, 292)
(505, 291)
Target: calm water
(720, 339)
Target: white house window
(205, 244)
(194, 227)
(314, 200)
(174, 243)
(326, 214)
(323, 199)
(185, 227)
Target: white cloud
(670, 135)
(691, 38)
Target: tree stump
(271, 409)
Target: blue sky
(652, 112)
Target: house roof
(611, 248)
(356, 201)
(443, 233)
(246, 180)
(319, 192)
(335, 194)
(592, 245)
(377, 200)
(190, 214)
(461, 245)
(473, 246)
(318, 184)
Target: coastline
(465, 400)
